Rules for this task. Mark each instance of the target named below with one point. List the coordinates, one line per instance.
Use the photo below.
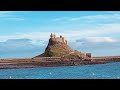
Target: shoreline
(53, 62)
(30, 65)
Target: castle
(58, 39)
(62, 39)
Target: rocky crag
(58, 47)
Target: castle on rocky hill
(58, 47)
(58, 39)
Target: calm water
(101, 71)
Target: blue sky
(26, 33)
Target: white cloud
(113, 12)
(20, 48)
(19, 45)
(94, 17)
(101, 30)
(14, 18)
(25, 48)
(61, 19)
(98, 46)
(105, 30)
(95, 39)
(9, 15)
(109, 18)
(33, 36)
(100, 39)
(4, 12)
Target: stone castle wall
(58, 39)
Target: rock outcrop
(58, 47)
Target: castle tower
(51, 36)
(63, 39)
(54, 36)
(66, 41)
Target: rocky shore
(50, 62)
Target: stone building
(58, 39)
(88, 55)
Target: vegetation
(74, 55)
(60, 49)
(57, 50)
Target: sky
(25, 34)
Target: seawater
(98, 71)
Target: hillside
(58, 47)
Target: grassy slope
(60, 50)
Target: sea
(98, 71)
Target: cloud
(93, 41)
(112, 12)
(61, 19)
(94, 17)
(98, 46)
(25, 47)
(4, 12)
(25, 43)
(100, 39)
(15, 44)
(9, 15)
(104, 18)
(20, 48)
(14, 18)
(35, 36)
(102, 30)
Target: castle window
(60, 36)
